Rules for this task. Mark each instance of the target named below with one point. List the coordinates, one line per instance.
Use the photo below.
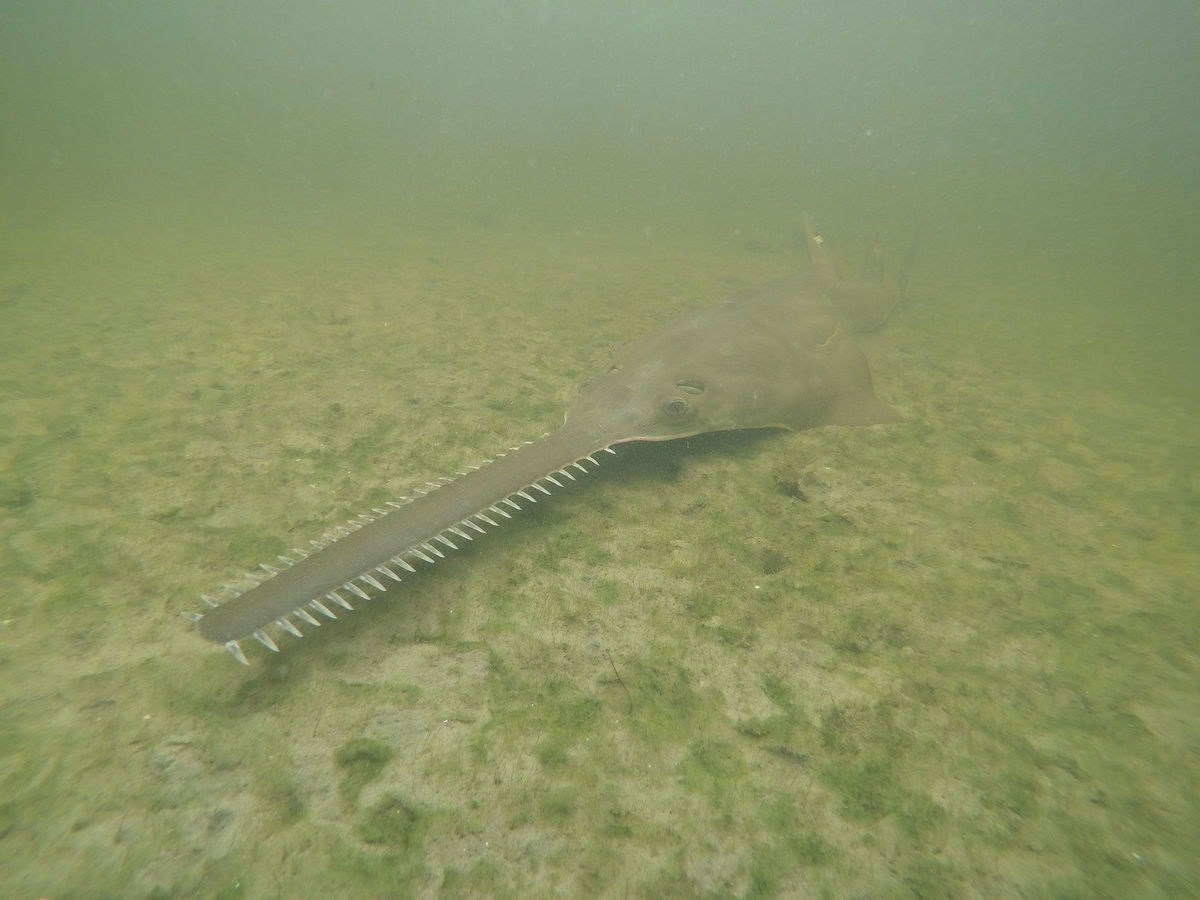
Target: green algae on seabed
(362, 760)
(952, 654)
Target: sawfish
(779, 356)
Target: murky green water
(264, 269)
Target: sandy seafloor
(954, 656)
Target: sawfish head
(776, 358)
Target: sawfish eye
(691, 386)
(676, 407)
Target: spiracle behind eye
(676, 407)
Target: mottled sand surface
(955, 656)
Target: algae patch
(363, 761)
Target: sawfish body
(779, 356)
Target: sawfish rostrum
(779, 356)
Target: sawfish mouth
(376, 550)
